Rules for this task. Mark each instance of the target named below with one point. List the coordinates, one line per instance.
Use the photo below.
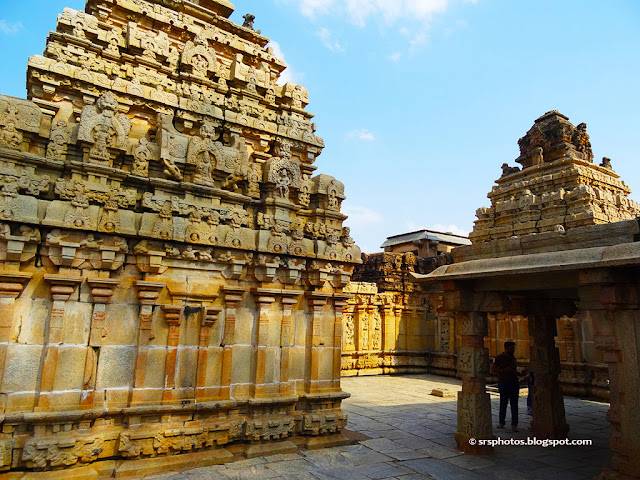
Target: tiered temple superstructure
(558, 188)
(171, 270)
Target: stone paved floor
(411, 438)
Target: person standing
(505, 367)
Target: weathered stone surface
(558, 188)
(155, 189)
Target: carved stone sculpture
(102, 127)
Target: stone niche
(171, 270)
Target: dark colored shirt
(506, 367)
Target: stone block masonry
(171, 270)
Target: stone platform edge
(186, 461)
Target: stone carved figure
(149, 45)
(204, 153)
(332, 251)
(141, 156)
(171, 169)
(253, 187)
(606, 163)
(9, 135)
(297, 246)
(332, 200)
(283, 172)
(199, 56)
(350, 330)
(377, 330)
(110, 220)
(537, 157)
(248, 21)
(198, 231)
(173, 58)
(507, 170)
(163, 227)
(270, 96)
(304, 195)
(364, 328)
(114, 39)
(102, 127)
(9, 203)
(78, 214)
(580, 140)
(278, 241)
(59, 138)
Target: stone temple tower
(558, 188)
(171, 270)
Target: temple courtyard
(406, 433)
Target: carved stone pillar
(290, 298)
(339, 302)
(474, 403)
(232, 299)
(548, 419)
(264, 301)
(148, 293)
(102, 289)
(62, 286)
(612, 303)
(203, 392)
(173, 316)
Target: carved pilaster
(264, 299)
(290, 299)
(339, 304)
(400, 327)
(62, 287)
(232, 298)
(209, 318)
(173, 315)
(317, 302)
(102, 289)
(11, 286)
(389, 326)
(148, 293)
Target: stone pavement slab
(407, 434)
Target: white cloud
(328, 41)
(411, 17)
(360, 11)
(289, 75)
(395, 57)
(359, 215)
(9, 28)
(362, 134)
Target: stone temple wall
(171, 272)
(393, 326)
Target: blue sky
(421, 101)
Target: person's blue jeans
(509, 393)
